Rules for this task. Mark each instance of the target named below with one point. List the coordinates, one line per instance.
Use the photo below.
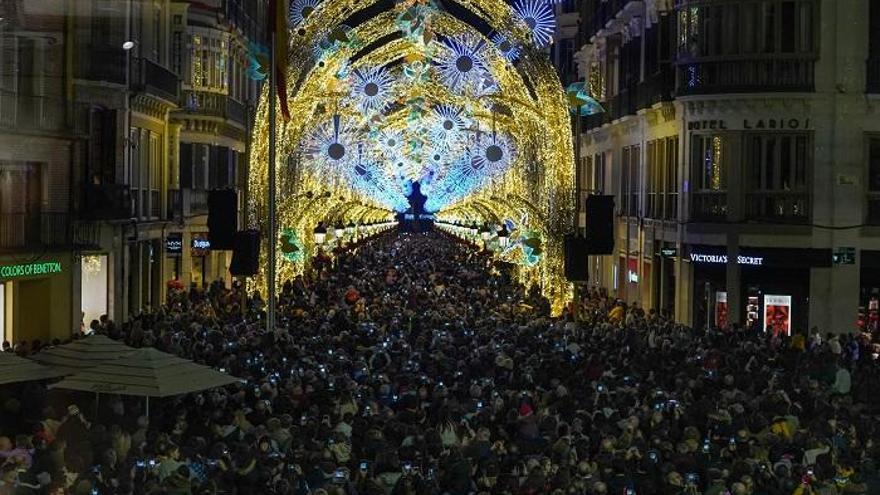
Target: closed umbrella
(14, 369)
(147, 373)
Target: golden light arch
(536, 116)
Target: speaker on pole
(222, 218)
(600, 224)
(576, 267)
(245, 254)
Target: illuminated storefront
(774, 286)
(28, 290)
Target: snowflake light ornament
(462, 64)
(538, 16)
(300, 10)
(372, 89)
(333, 143)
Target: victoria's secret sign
(750, 124)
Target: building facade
(117, 118)
(740, 141)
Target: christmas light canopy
(539, 18)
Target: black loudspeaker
(246, 254)
(576, 268)
(222, 218)
(600, 224)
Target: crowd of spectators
(415, 365)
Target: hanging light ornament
(372, 89)
(300, 10)
(333, 143)
(461, 65)
(493, 154)
(507, 47)
(447, 127)
(538, 16)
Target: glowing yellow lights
(530, 106)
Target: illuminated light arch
(537, 123)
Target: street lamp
(503, 236)
(320, 233)
(339, 230)
(349, 229)
(485, 233)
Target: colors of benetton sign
(30, 269)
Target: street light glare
(128, 45)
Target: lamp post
(503, 237)
(320, 233)
(339, 231)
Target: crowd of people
(414, 365)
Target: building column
(684, 287)
(186, 260)
(735, 306)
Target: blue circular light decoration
(538, 16)
(447, 126)
(300, 10)
(333, 143)
(372, 89)
(461, 65)
(506, 46)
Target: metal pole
(271, 238)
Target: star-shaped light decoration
(300, 10)
(461, 64)
(447, 126)
(538, 16)
(506, 46)
(334, 142)
(372, 89)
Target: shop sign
(773, 124)
(200, 244)
(174, 244)
(844, 256)
(669, 252)
(722, 259)
(30, 269)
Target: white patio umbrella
(147, 373)
(14, 369)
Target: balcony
(215, 105)
(604, 12)
(873, 83)
(709, 206)
(24, 113)
(785, 207)
(730, 75)
(656, 88)
(153, 79)
(104, 63)
(29, 230)
(106, 202)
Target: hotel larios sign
(751, 125)
(30, 269)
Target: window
(662, 179)
(209, 60)
(777, 168)
(873, 214)
(709, 177)
(630, 184)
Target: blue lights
(333, 143)
(372, 89)
(300, 10)
(538, 16)
(506, 46)
(461, 64)
(448, 127)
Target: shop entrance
(32, 315)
